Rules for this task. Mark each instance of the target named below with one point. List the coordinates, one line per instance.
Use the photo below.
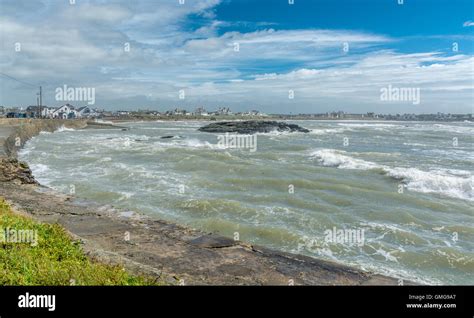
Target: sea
(394, 198)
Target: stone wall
(26, 128)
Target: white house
(47, 112)
(65, 111)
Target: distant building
(40, 111)
(179, 112)
(15, 114)
(200, 111)
(86, 112)
(65, 111)
(223, 111)
(122, 113)
(47, 112)
(251, 113)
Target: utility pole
(41, 103)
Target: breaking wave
(62, 128)
(439, 181)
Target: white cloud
(96, 13)
(468, 24)
(84, 45)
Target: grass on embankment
(54, 260)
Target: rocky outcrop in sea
(251, 127)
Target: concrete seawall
(21, 130)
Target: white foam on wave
(315, 131)
(42, 173)
(371, 126)
(196, 143)
(23, 152)
(101, 121)
(453, 129)
(415, 144)
(275, 133)
(387, 254)
(358, 125)
(455, 184)
(339, 159)
(187, 143)
(62, 128)
(435, 181)
(385, 227)
(327, 131)
(124, 195)
(39, 168)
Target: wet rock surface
(251, 127)
(15, 171)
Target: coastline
(173, 253)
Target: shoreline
(171, 252)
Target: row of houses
(221, 111)
(200, 111)
(66, 111)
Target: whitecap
(39, 168)
(63, 128)
(435, 181)
(458, 184)
(339, 159)
(388, 256)
(326, 131)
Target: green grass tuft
(55, 260)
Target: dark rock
(251, 127)
(13, 170)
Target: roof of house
(35, 108)
(60, 107)
(82, 108)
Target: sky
(312, 56)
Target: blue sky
(332, 54)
